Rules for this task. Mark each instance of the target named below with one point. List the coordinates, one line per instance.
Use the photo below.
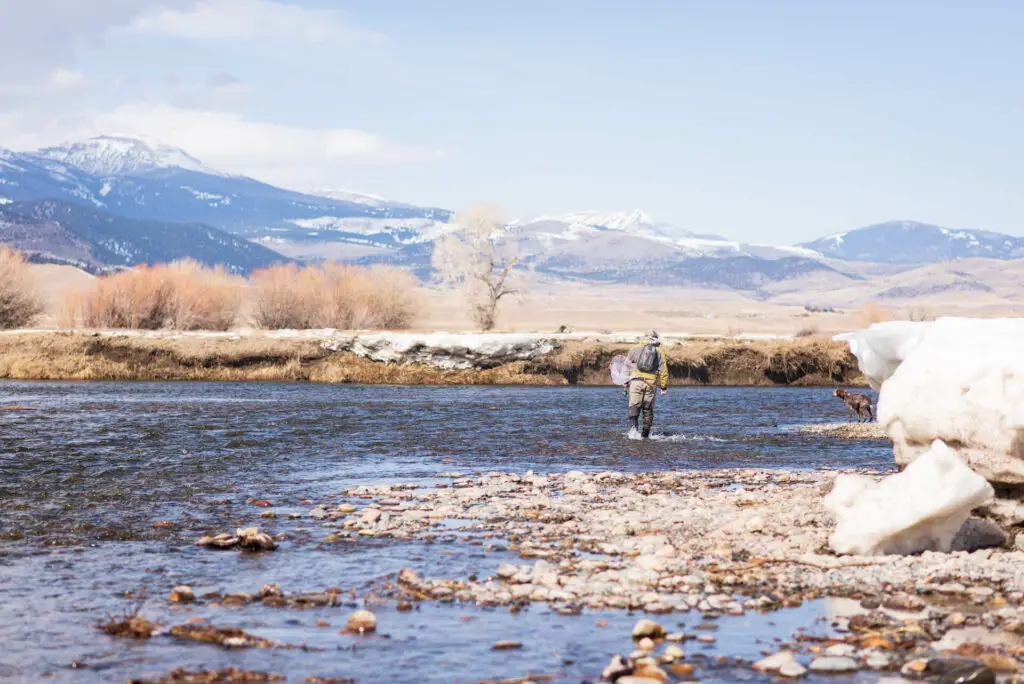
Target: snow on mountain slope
(550, 229)
(909, 242)
(404, 230)
(351, 196)
(148, 181)
(120, 156)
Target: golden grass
(806, 361)
(70, 356)
(334, 296)
(183, 295)
(20, 301)
(872, 313)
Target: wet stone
(793, 670)
(648, 628)
(971, 674)
(506, 646)
(362, 622)
(833, 665)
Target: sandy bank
(290, 356)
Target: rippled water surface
(84, 477)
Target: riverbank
(331, 357)
(696, 546)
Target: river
(84, 477)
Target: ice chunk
(882, 348)
(919, 509)
(959, 380)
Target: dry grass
(20, 301)
(66, 356)
(872, 313)
(334, 296)
(808, 361)
(183, 295)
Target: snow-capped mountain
(909, 242)
(148, 181)
(75, 233)
(109, 155)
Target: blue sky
(772, 121)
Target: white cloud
(38, 36)
(285, 155)
(64, 80)
(218, 20)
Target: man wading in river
(649, 371)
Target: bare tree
(477, 259)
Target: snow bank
(448, 351)
(958, 380)
(919, 509)
(883, 347)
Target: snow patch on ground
(444, 350)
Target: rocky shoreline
(707, 544)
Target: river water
(84, 477)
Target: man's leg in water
(649, 395)
(636, 401)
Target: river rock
(978, 534)
(318, 513)
(182, 594)
(971, 674)
(793, 670)
(362, 622)
(774, 663)
(252, 539)
(649, 629)
(506, 646)
(617, 668)
(833, 665)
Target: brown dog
(856, 403)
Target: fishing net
(621, 370)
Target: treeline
(186, 295)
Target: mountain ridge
(144, 181)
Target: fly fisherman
(650, 371)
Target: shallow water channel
(85, 475)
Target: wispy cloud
(287, 155)
(248, 20)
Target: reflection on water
(84, 478)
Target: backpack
(648, 361)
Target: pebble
(646, 645)
(673, 653)
(648, 628)
(182, 594)
(972, 674)
(793, 670)
(318, 513)
(506, 646)
(362, 622)
(833, 665)
(346, 508)
(774, 662)
(841, 650)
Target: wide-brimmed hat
(651, 337)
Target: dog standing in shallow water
(856, 403)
